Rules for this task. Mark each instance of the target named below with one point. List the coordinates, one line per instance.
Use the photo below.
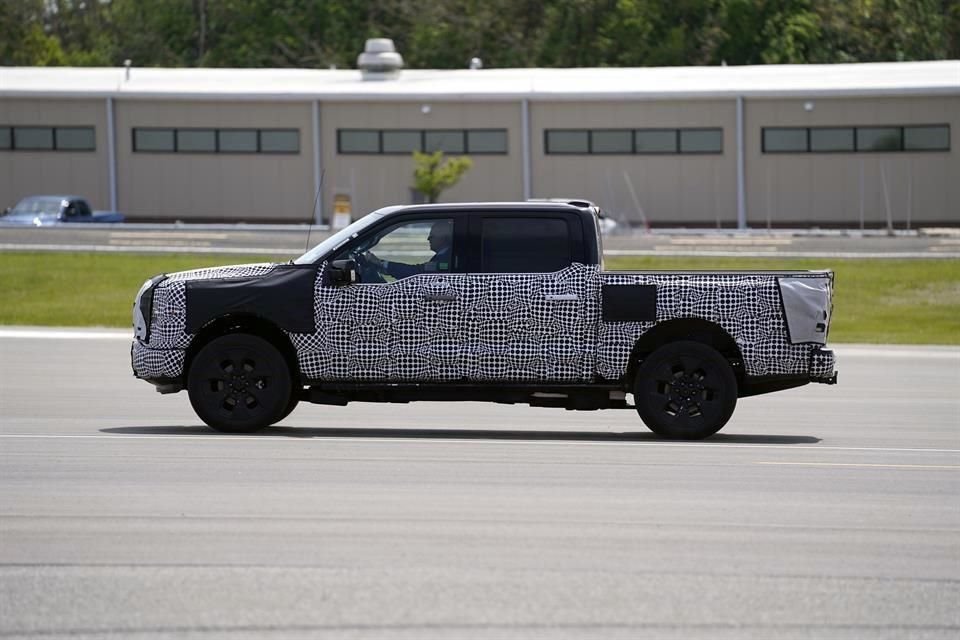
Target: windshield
(342, 236)
(38, 205)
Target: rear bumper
(823, 366)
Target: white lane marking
(374, 438)
(66, 334)
(865, 464)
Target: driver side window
(403, 250)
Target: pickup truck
(43, 211)
(500, 302)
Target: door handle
(559, 297)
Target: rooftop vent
(379, 60)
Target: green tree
(433, 174)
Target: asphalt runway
(827, 512)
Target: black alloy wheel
(239, 383)
(685, 391)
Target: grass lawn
(881, 301)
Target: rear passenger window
(524, 245)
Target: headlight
(143, 308)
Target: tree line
(444, 34)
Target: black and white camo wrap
(747, 306)
(505, 327)
(493, 327)
(163, 356)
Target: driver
(440, 239)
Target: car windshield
(342, 236)
(38, 205)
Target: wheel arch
(245, 323)
(694, 329)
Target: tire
(294, 401)
(239, 383)
(685, 391)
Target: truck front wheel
(239, 383)
(685, 391)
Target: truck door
(532, 307)
(403, 320)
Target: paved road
(292, 241)
(817, 512)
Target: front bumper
(156, 364)
(823, 366)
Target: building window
(75, 139)
(701, 141)
(30, 138)
(33, 138)
(405, 141)
(926, 138)
(402, 141)
(784, 140)
(567, 141)
(197, 140)
(831, 139)
(193, 140)
(446, 141)
(934, 137)
(632, 141)
(358, 141)
(655, 140)
(153, 140)
(279, 141)
(879, 139)
(237, 140)
(480, 141)
(611, 141)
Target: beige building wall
(84, 173)
(259, 187)
(672, 189)
(833, 188)
(380, 180)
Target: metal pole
(317, 167)
(861, 194)
(741, 190)
(525, 137)
(111, 155)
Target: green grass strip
(876, 301)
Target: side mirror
(6, 211)
(343, 272)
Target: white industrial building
(750, 146)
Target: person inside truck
(441, 242)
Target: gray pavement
(816, 512)
(292, 241)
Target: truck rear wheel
(239, 383)
(685, 391)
